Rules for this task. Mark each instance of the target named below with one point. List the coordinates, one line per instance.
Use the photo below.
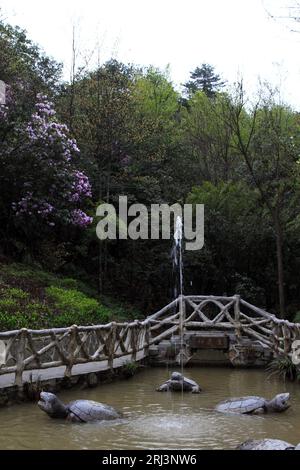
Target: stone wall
(211, 348)
(31, 390)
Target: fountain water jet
(182, 357)
(177, 258)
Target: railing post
(20, 359)
(147, 339)
(182, 311)
(111, 346)
(276, 338)
(237, 312)
(287, 339)
(72, 349)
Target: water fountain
(177, 258)
(182, 356)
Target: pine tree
(204, 79)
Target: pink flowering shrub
(39, 165)
(44, 129)
(80, 218)
(81, 187)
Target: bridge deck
(44, 375)
(209, 321)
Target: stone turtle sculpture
(178, 383)
(254, 405)
(80, 411)
(267, 444)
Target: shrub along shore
(33, 298)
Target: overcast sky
(236, 36)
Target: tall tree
(204, 79)
(26, 69)
(208, 139)
(100, 121)
(267, 139)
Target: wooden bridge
(189, 323)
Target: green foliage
(140, 137)
(283, 367)
(234, 200)
(18, 311)
(46, 300)
(74, 306)
(204, 79)
(130, 369)
(232, 219)
(155, 96)
(297, 318)
(24, 66)
(247, 289)
(208, 139)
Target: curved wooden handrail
(29, 349)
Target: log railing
(31, 350)
(43, 349)
(28, 350)
(228, 314)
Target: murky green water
(159, 420)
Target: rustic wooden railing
(31, 350)
(43, 349)
(236, 315)
(28, 350)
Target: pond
(155, 420)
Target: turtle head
(280, 402)
(176, 376)
(49, 403)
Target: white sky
(236, 36)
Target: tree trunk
(279, 255)
(100, 252)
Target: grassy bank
(31, 298)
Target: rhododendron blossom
(81, 187)
(53, 189)
(80, 218)
(53, 134)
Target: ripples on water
(155, 420)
